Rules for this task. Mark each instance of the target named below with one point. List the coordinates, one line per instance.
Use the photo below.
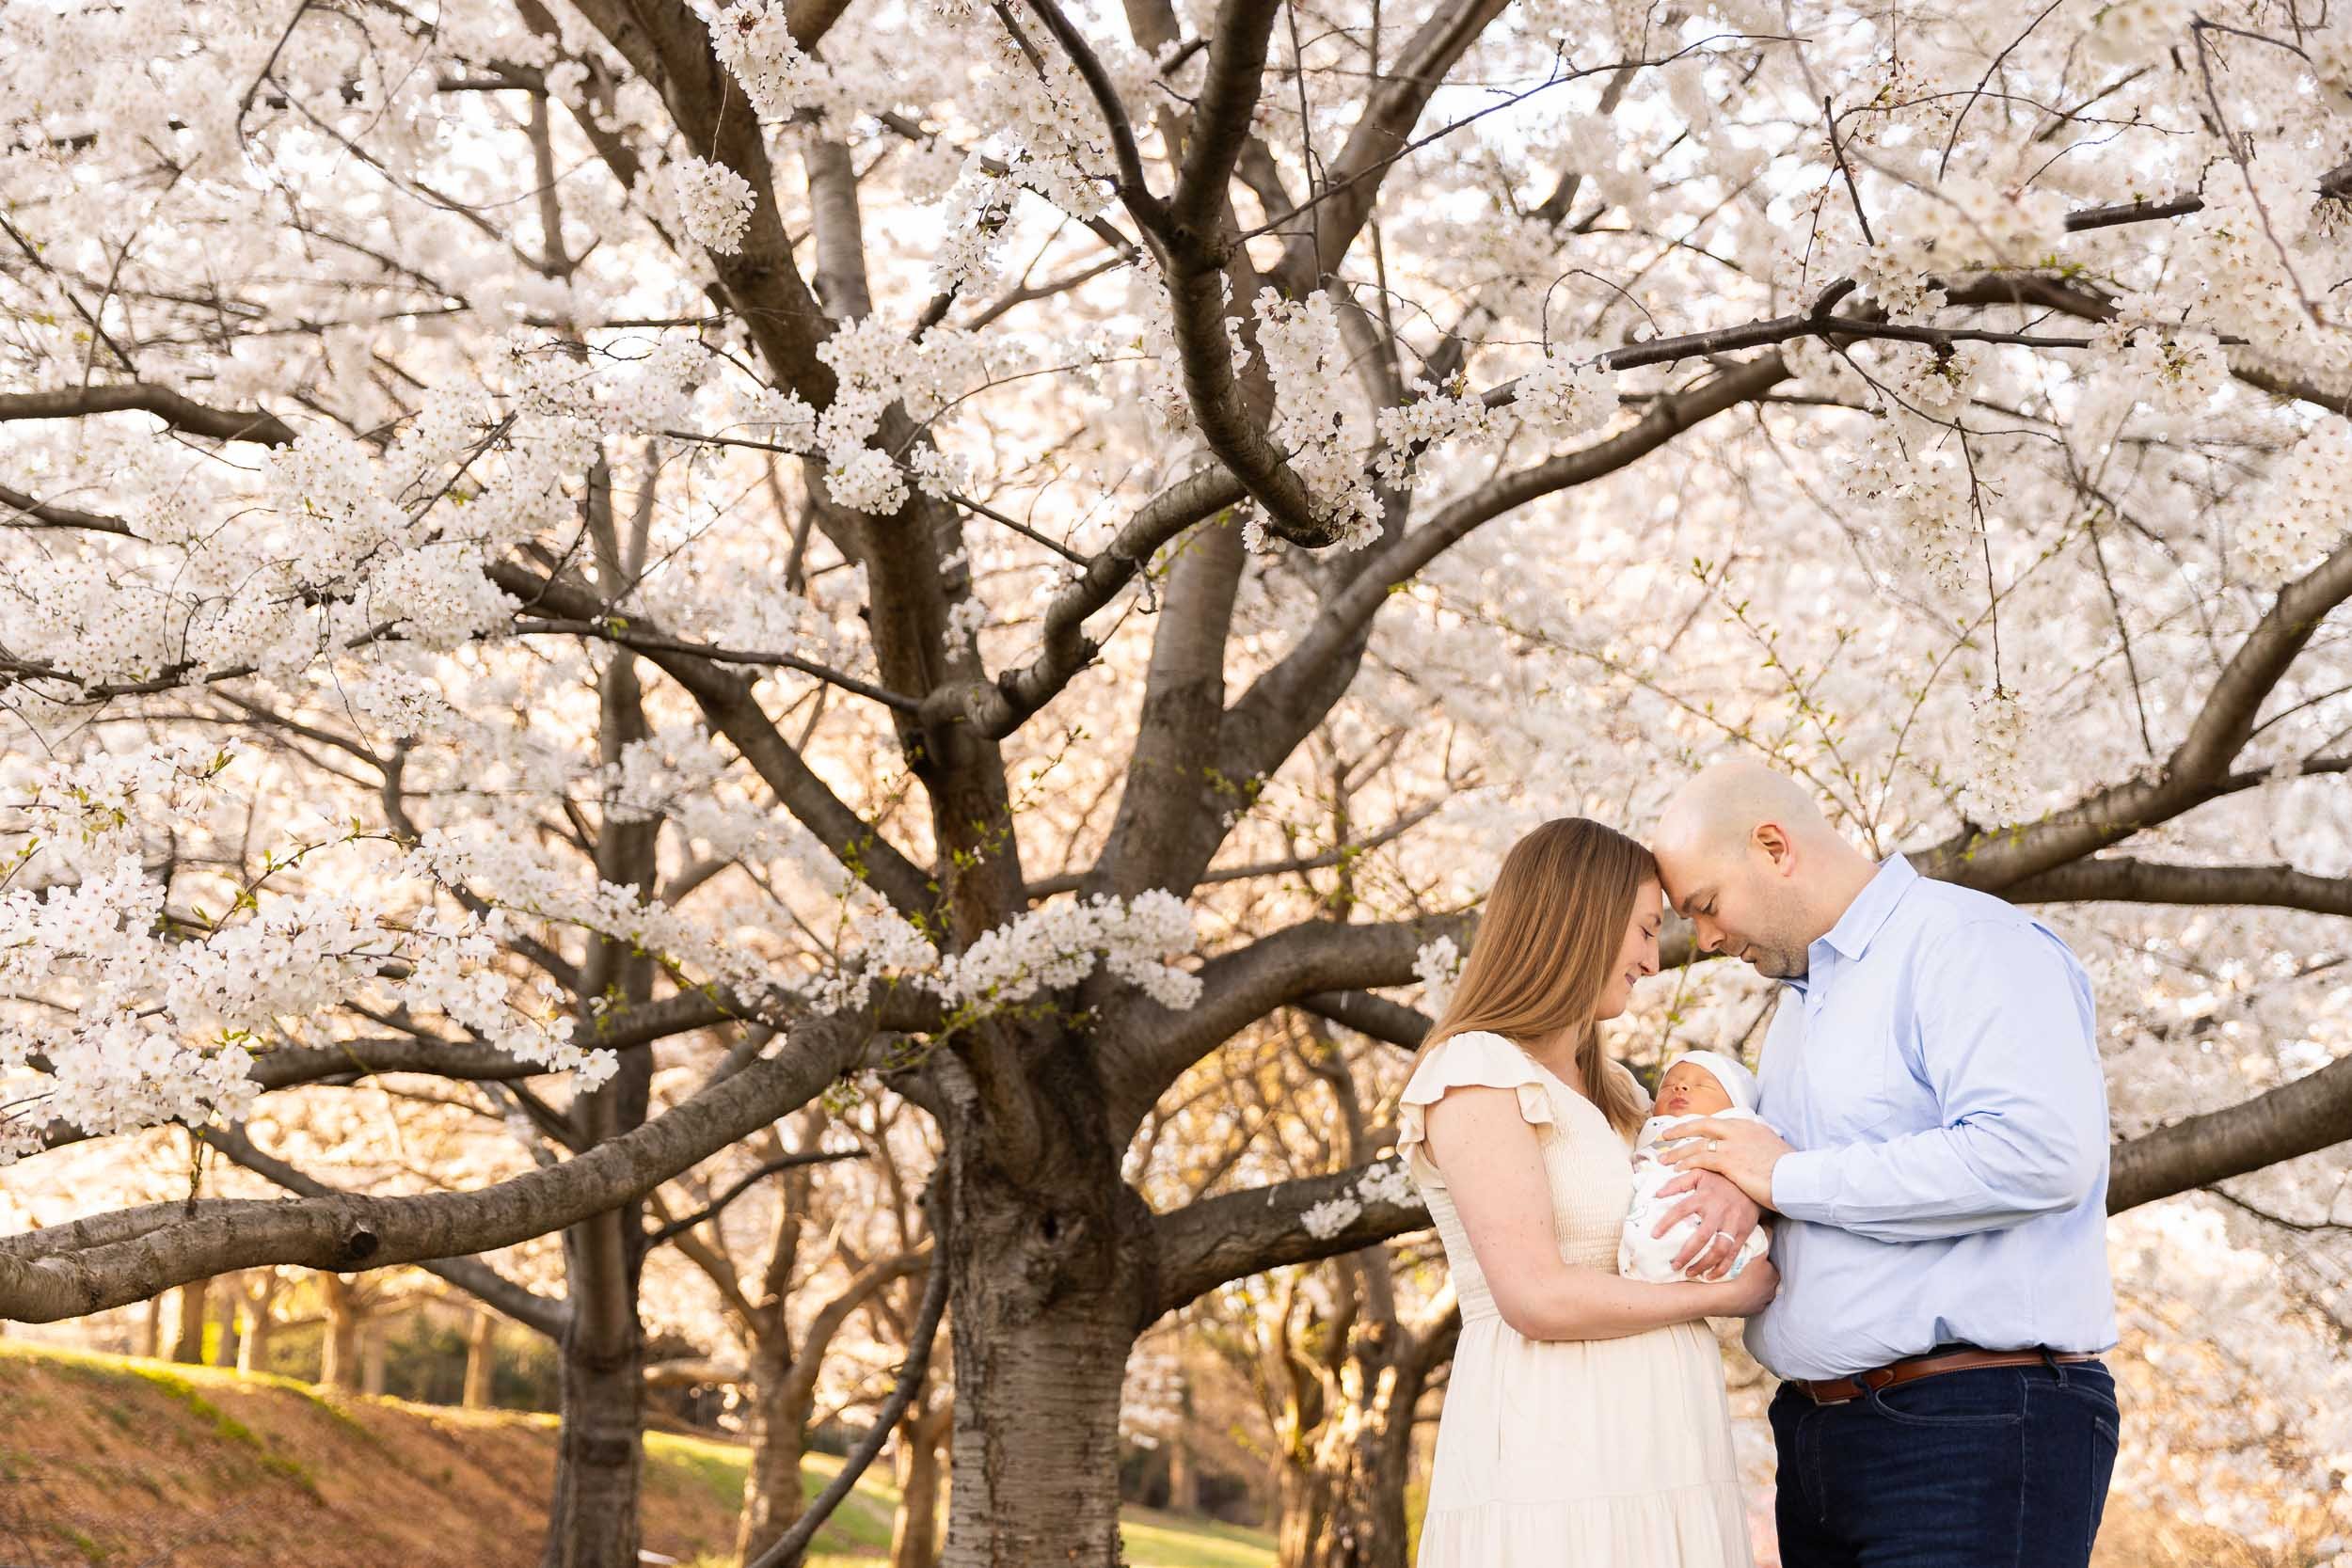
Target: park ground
(115, 1460)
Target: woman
(1586, 1420)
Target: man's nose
(1710, 935)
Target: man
(1934, 1139)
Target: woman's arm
(1494, 1167)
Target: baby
(1700, 1083)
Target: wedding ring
(1713, 1144)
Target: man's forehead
(1684, 895)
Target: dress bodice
(1587, 1163)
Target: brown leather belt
(1837, 1391)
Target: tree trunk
(1365, 1456)
(1303, 1499)
(372, 1348)
(1363, 1489)
(479, 1364)
(253, 1338)
(188, 1331)
(914, 1534)
(151, 1328)
(1184, 1477)
(776, 1427)
(593, 1520)
(1046, 1289)
(339, 1351)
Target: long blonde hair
(1553, 926)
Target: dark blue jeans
(1992, 1468)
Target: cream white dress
(1577, 1452)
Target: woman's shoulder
(1475, 1058)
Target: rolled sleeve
(1804, 1185)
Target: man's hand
(1745, 1151)
(1726, 1216)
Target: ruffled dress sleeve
(1475, 1060)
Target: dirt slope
(124, 1462)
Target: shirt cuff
(1804, 1185)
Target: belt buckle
(1869, 1380)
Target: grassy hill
(107, 1459)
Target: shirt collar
(1851, 935)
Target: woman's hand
(1751, 1292)
(1726, 1215)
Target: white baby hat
(1738, 1081)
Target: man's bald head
(1746, 854)
(1724, 804)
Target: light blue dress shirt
(1937, 1071)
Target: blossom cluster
(1998, 769)
(1385, 1184)
(1919, 495)
(1308, 365)
(751, 40)
(2305, 512)
(714, 202)
(154, 1011)
(1437, 964)
(1569, 394)
(1429, 420)
(1967, 221)
(1052, 947)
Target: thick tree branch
(175, 409)
(1206, 1244)
(1288, 700)
(50, 514)
(1133, 190)
(2198, 770)
(2120, 879)
(2310, 1114)
(1370, 1015)
(669, 47)
(470, 1275)
(69, 1271)
(998, 708)
(1237, 988)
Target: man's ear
(1777, 847)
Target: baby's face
(1690, 1090)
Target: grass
(859, 1531)
(92, 1367)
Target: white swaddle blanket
(1643, 1255)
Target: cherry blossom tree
(540, 530)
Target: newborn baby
(1700, 1083)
